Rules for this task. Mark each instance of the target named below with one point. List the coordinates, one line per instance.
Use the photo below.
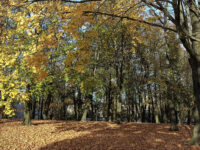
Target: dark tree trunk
(109, 99)
(173, 126)
(41, 107)
(33, 109)
(75, 105)
(149, 114)
(143, 113)
(132, 108)
(46, 107)
(195, 65)
(188, 117)
(80, 103)
(92, 107)
(114, 112)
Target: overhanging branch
(128, 18)
(66, 1)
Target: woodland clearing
(72, 135)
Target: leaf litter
(74, 135)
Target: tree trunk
(188, 117)
(27, 113)
(109, 100)
(114, 118)
(195, 65)
(27, 109)
(41, 108)
(80, 103)
(92, 107)
(173, 126)
(132, 108)
(46, 107)
(84, 115)
(156, 114)
(33, 109)
(87, 105)
(75, 104)
(119, 109)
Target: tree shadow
(111, 136)
(3, 121)
(43, 122)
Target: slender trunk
(136, 112)
(27, 109)
(109, 98)
(132, 107)
(128, 112)
(75, 104)
(153, 111)
(41, 108)
(152, 103)
(173, 126)
(86, 108)
(157, 115)
(114, 113)
(149, 114)
(92, 107)
(79, 101)
(46, 107)
(33, 109)
(27, 113)
(119, 109)
(188, 117)
(143, 113)
(140, 108)
(156, 102)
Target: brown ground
(71, 135)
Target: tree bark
(86, 108)
(195, 65)
(46, 107)
(27, 109)
(188, 117)
(27, 113)
(109, 100)
(173, 126)
(33, 109)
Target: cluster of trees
(101, 56)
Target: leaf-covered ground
(72, 135)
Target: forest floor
(73, 135)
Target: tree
(184, 15)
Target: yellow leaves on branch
(78, 60)
(12, 90)
(37, 64)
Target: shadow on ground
(2, 121)
(126, 136)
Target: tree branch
(66, 1)
(128, 18)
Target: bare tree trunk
(27, 110)
(173, 126)
(46, 107)
(33, 109)
(109, 100)
(195, 64)
(86, 108)
(188, 117)
(27, 113)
